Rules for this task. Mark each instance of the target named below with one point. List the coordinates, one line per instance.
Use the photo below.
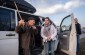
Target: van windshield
(7, 20)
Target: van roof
(22, 5)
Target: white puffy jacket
(53, 33)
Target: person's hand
(21, 22)
(49, 38)
(34, 27)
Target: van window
(7, 20)
(66, 24)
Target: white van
(9, 39)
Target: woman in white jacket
(48, 33)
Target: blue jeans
(78, 42)
(49, 47)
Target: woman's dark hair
(48, 19)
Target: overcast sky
(58, 9)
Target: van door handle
(64, 36)
(10, 34)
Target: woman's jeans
(49, 47)
(78, 42)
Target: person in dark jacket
(27, 32)
(78, 31)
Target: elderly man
(27, 31)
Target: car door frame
(72, 37)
